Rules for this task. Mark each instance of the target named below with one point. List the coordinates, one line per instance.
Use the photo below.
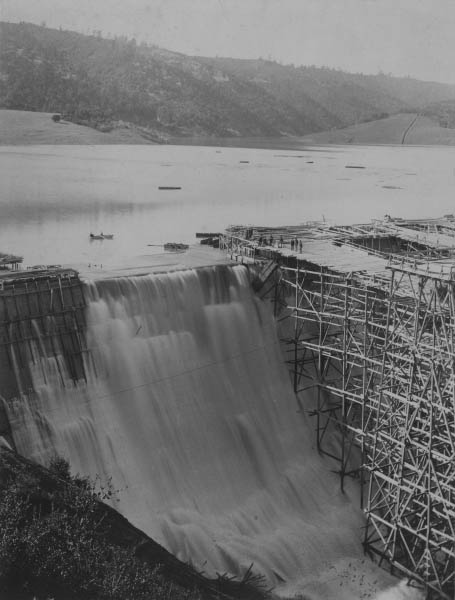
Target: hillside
(19, 127)
(350, 98)
(99, 82)
(107, 83)
(403, 128)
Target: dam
(291, 409)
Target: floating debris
(175, 246)
(169, 187)
(354, 167)
(102, 236)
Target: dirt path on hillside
(408, 129)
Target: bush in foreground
(53, 544)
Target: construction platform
(372, 322)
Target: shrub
(53, 543)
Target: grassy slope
(24, 127)
(427, 131)
(424, 131)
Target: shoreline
(26, 128)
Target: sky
(402, 37)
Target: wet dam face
(175, 385)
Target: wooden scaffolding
(377, 346)
(44, 308)
(410, 452)
(381, 358)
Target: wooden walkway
(424, 245)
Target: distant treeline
(106, 82)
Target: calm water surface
(52, 197)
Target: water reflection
(51, 198)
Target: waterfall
(188, 406)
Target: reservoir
(53, 197)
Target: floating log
(354, 167)
(169, 187)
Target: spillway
(187, 404)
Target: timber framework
(372, 314)
(45, 304)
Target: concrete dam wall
(175, 385)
